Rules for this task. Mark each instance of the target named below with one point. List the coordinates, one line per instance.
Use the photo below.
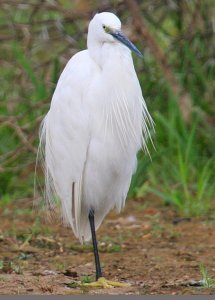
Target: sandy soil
(148, 246)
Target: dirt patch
(148, 246)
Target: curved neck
(95, 50)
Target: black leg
(95, 247)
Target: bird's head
(105, 27)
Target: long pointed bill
(118, 35)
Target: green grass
(206, 280)
(10, 266)
(86, 279)
(1, 264)
(183, 165)
(72, 284)
(181, 172)
(182, 168)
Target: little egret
(90, 137)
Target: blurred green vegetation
(38, 38)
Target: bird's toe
(105, 284)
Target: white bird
(97, 122)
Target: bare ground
(148, 246)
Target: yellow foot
(104, 283)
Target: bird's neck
(95, 51)
(102, 53)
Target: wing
(64, 139)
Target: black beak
(118, 35)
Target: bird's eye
(106, 28)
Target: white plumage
(96, 124)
